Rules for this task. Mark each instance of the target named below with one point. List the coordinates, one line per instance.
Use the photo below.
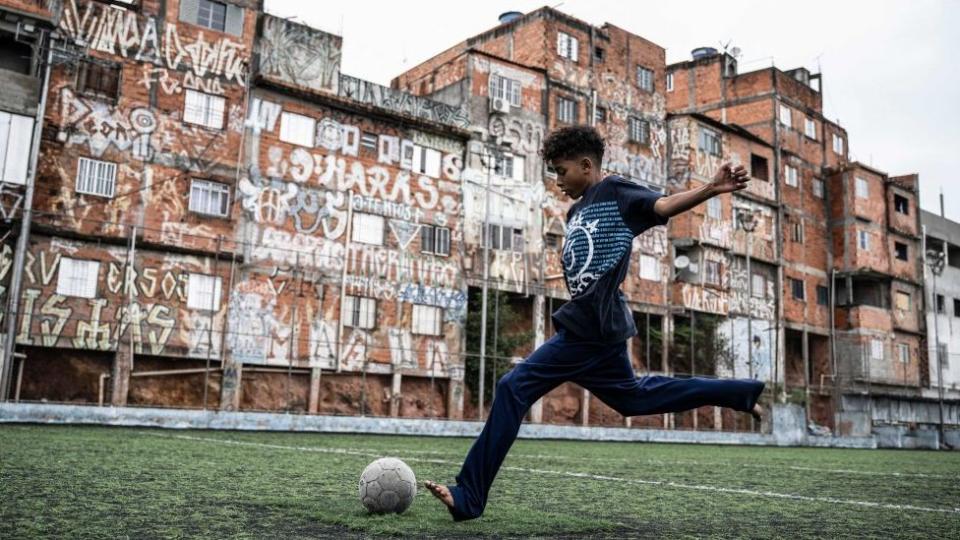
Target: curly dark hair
(573, 142)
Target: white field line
(716, 489)
(680, 462)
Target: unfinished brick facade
(266, 232)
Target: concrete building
(942, 309)
(224, 220)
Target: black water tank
(509, 16)
(703, 52)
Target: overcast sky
(890, 74)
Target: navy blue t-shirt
(596, 254)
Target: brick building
(211, 194)
(221, 218)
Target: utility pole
(23, 240)
(936, 261)
(747, 220)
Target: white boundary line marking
(750, 492)
(450, 454)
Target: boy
(590, 346)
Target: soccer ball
(387, 485)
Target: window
(796, 286)
(639, 130)
(876, 349)
(759, 168)
(427, 320)
(212, 15)
(503, 238)
(600, 116)
(203, 109)
(712, 276)
(862, 188)
(903, 351)
(902, 301)
(566, 110)
(758, 286)
(797, 228)
(426, 161)
(435, 240)
(598, 54)
(669, 82)
(645, 78)
(15, 134)
(956, 307)
(837, 144)
(790, 176)
(943, 356)
(785, 116)
(901, 250)
(503, 165)
(553, 240)
(818, 188)
(297, 129)
(567, 46)
(359, 312)
(649, 267)
(77, 278)
(96, 177)
(810, 128)
(502, 87)
(864, 239)
(210, 198)
(940, 304)
(714, 208)
(367, 229)
(203, 292)
(901, 204)
(97, 78)
(709, 141)
(823, 295)
(369, 140)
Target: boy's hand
(729, 178)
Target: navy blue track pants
(602, 368)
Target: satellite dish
(681, 262)
(735, 52)
(693, 268)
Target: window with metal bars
(203, 109)
(95, 177)
(210, 198)
(212, 15)
(98, 78)
(435, 240)
(639, 130)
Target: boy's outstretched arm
(727, 179)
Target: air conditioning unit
(499, 104)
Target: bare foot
(757, 412)
(441, 492)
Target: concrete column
(666, 329)
(395, 394)
(585, 408)
(455, 393)
(313, 403)
(120, 376)
(539, 335)
(806, 374)
(230, 385)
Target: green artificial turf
(99, 482)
